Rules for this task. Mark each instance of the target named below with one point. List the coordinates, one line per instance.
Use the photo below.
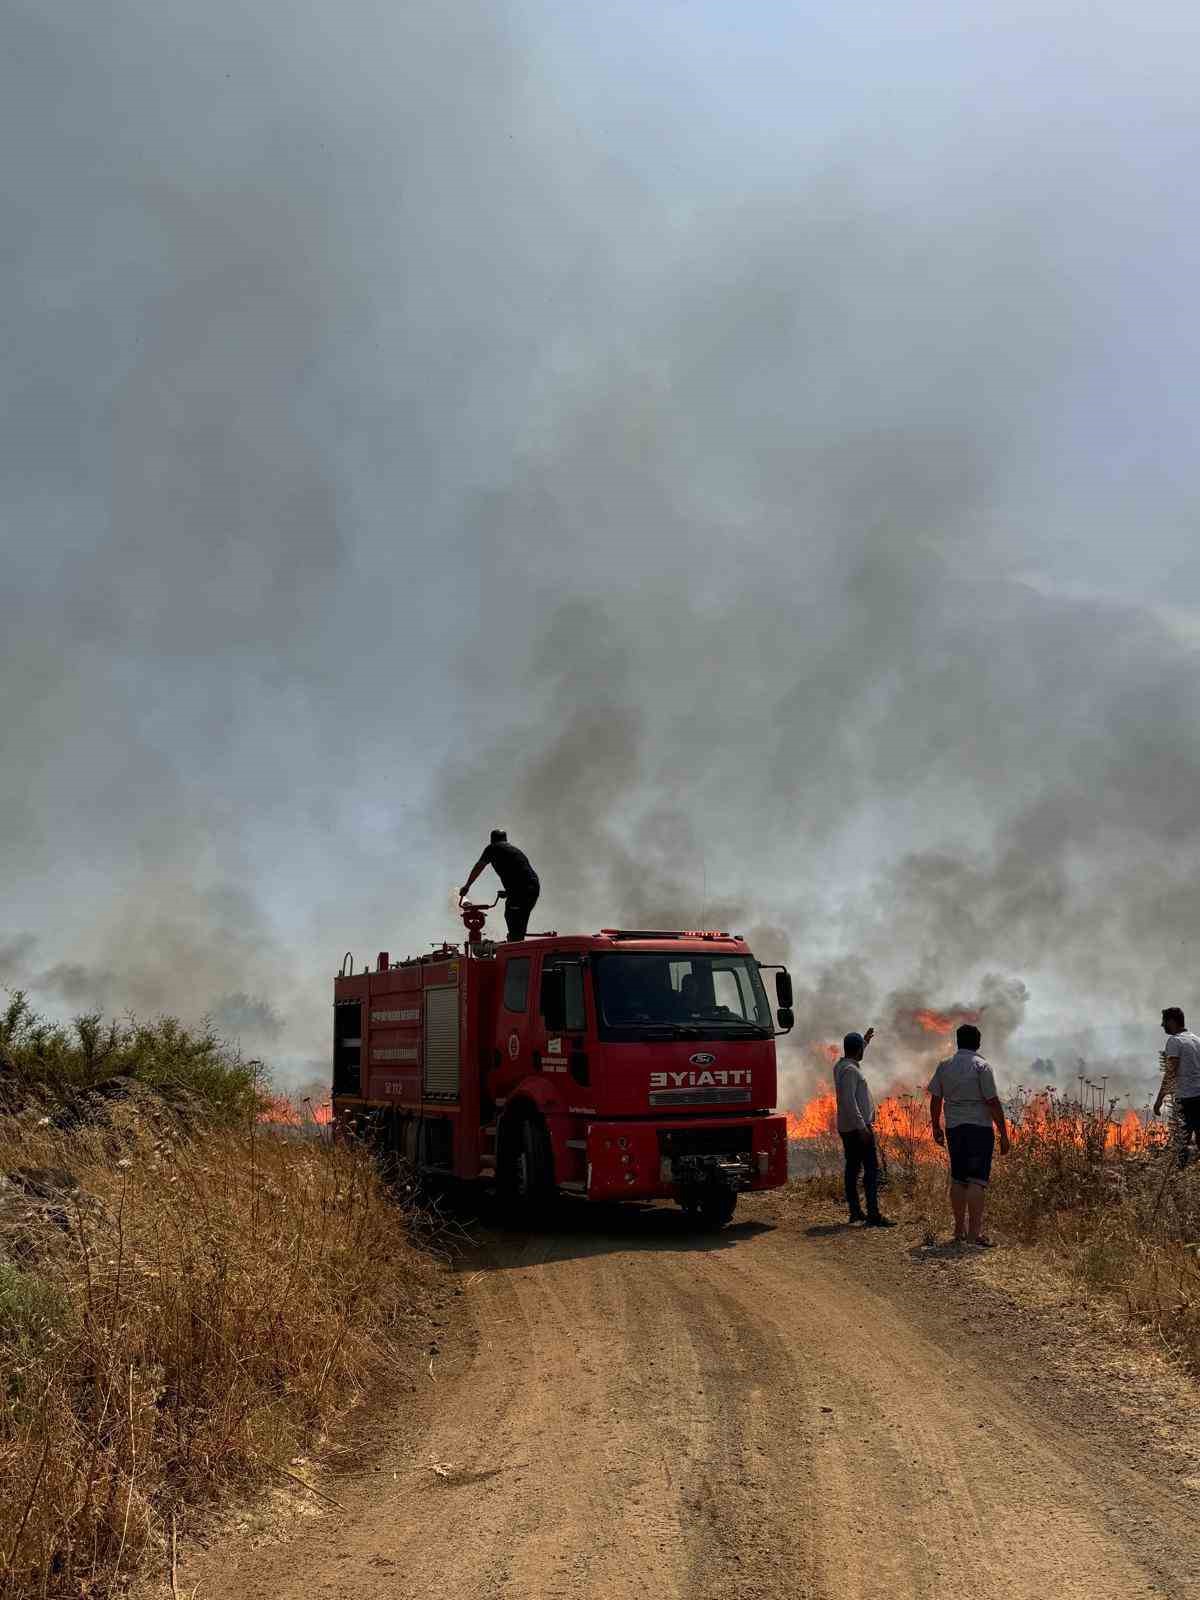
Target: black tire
(712, 1207)
(525, 1170)
(386, 1145)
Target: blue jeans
(861, 1156)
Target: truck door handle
(537, 1060)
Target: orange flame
(280, 1111)
(1057, 1121)
(898, 1114)
(818, 1117)
(906, 1116)
(939, 1022)
(1130, 1134)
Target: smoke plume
(774, 506)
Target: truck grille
(700, 1097)
(732, 1140)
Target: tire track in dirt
(751, 1417)
(748, 1494)
(948, 1476)
(594, 1443)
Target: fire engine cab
(629, 1064)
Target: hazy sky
(746, 450)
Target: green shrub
(46, 1061)
(33, 1311)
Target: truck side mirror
(786, 1018)
(554, 999)
(783, 989)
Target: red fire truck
(629, 1064)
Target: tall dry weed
(182, 1309)
(1122, 1216)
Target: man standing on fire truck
(521, 884)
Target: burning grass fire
(1091, 1123)
(939, 1022)
(283, 1112)
(904, 1115)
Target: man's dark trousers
(861, 1156)
(517, 914)
(1189, 1110)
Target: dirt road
(765, 1413)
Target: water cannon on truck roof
(628, 1064)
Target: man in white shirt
(855, 1122)
(965, 1089)
(1182, 1078)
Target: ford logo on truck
(702, 1059)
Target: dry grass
(183, 1323)
(1125, 1224)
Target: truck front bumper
(659, 1160)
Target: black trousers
(517, 914)
(1189, 1111)
(861, 1156)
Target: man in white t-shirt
(1181, 1080)
(964, 1089)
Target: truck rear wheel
(525, 1170)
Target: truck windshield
(680, 996)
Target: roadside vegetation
(187, 1302)
(66, 1069)
(1105, 1198)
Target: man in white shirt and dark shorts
(1182, 1077)
(964, 1089)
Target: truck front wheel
(712, 1206)
(525, 1171)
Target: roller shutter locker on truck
(441, 1041)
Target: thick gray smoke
(774, 506)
